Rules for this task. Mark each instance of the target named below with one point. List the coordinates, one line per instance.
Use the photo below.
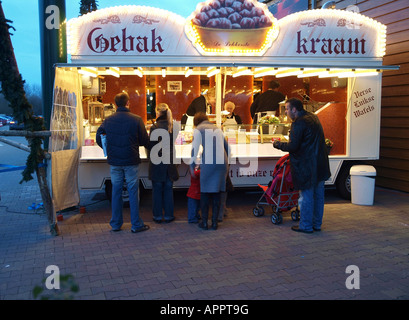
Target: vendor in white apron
(202, 103)
(230, 117)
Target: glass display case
(96, 114)
(243, 133)
(260, 133)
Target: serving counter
(250, 164)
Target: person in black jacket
(162, 170)
(309, 164)
(124, 133)
(202, 104)
(267, 101)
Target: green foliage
(12, 87)
(87, 6)
(269, 120)
(68, 287)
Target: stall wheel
(276, 218)
(258, 211)
(295, 215)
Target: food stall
(331, 59)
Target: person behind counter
(124, 133)
(309, 164)
(213, 166)
(268, 101)
(203, 103)
(231, 118)
(162, 171)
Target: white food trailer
(345, 48)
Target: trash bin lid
(362, 170)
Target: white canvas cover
(66, 137)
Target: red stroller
(280, 193)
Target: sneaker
(144, 228)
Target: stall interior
(323, 91)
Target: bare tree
(4, 106)
(34, 97)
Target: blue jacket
(125, 133)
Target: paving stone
(247, 258)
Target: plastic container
(362, 184)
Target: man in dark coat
(124, 133)
(309, 164)
(267, 101)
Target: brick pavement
(247, 258)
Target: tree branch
(16, 144)
(24, 133)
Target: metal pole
(53, 49)
(313, 4)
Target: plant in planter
(269, 120)
(268, 123)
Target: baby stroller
(280, 193)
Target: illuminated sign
(224, 28)
(231, 28)
(99, 43)
(329, 33)
(128, 31)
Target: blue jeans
(193, 206)
(311, 204)
(118, 175)
(162, 199)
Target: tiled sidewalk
(247, 258)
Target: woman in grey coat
(213, 163)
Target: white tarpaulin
(66, 137)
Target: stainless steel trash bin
(362, 184)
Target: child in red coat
(193, 197)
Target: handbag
(173, 173)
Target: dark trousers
(162, 199)
(205, 199)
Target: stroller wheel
(276, 218)
(295, 215)
(258, 211)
